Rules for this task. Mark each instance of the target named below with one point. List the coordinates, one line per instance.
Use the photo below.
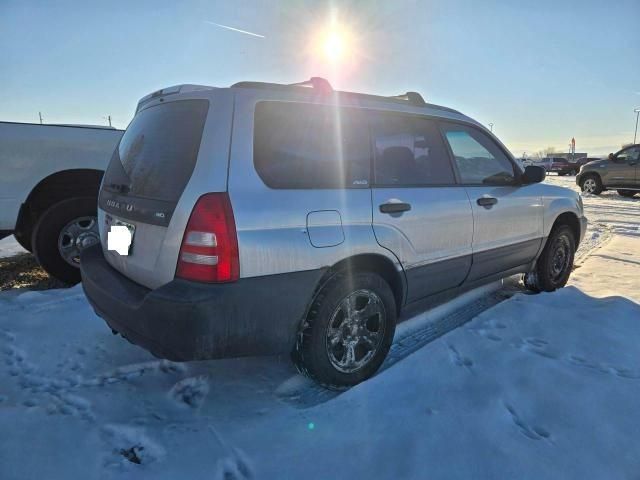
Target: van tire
(313, 355)
(545, 277)
(24, 240)
(48, 230)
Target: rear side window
(308, 146)
(479, 160)
(157, 154)
(409, 151)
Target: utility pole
(108, 118)
(40, 115)
(491, 127)
(637, 110)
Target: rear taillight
(209, 250)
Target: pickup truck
(49, 181)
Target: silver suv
(269, 218)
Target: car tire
(24, 239)
(554, 265)
(627, 193)
(339, 350)
(62, 231)
(591, 184)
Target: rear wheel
(626, 193)
(62, 232)
(348, 331)
(555, 263)
(591, 184)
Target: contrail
(235, 29)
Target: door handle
(395, 207)
(487, 202)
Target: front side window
(630, 155)
(479, 160)
(409, 151)
(305, 146)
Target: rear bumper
(185, 320)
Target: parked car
(619, 172)
(561, 166)
(545, 163)
(266, 218)
(49, 180)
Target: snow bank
(539, 386)
(10, 247)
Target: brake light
(209, 250)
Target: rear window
(157, 154)
(311, 146)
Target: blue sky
(542, 72)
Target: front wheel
(591, 184)
(348, 331)
(626, 193)
(554, 266)
(62, 232)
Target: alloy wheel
(356, 330)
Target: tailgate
(143, 184)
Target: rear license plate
(114, 222)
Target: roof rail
(414, 98)
(322, 85)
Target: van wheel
(555, 263)
(62, 232)
(591, 184)
(626, 193)
(348, 331)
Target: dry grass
(22, 271)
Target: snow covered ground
(535, 386)
(10, 247)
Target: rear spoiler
(170, 91)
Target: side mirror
(533, 174)
(612, 158)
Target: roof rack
(322, 85)
(414, 98)
(317, 83)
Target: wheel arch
(588, 174)
(83, 182)
(374, 263)
(572, 221)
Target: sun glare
(334, 45)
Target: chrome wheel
(589, 185)
(355, 331)
(78, 234)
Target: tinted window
(409, 151)
(479, 160)
(311, 146)
(157, 153)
